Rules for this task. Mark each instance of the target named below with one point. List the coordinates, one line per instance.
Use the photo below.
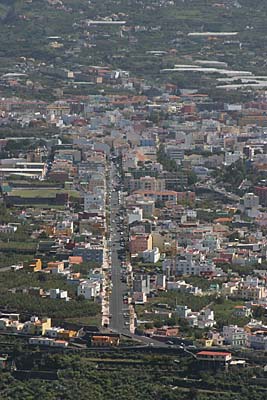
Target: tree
(193, 394)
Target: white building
(58, 294)
(206, 319)
(151, 256)
(250, 205)
(183, 311)
(161, 281)
(41, 341)
(8, 229)
(235, 336)
(251, 200)
(182, 286)
(94, 200)
(135, 215)
(187, 265)
(89, 289)
(203, 319)
(231, 158)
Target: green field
(40, 193)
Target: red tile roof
(157, 192)
(214, 353)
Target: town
(133, 211)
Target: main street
(116, 244)
(119, 312)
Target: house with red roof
(214, 359)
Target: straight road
(117, 308)
(119, 323)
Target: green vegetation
(43, 192)
(34, 304)
(85, 267)
(23, 279)
(167, 163)
(202, 283)
(93, 320)
(18, 247)
(224, 313)
(223, 308)
(27, 29)
(233, 175)
(57, 309)
(173, 297)
(127, 376)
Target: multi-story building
(135, 214)
(36, 326)
(89, 289)
(174, 181)
(186, 264)
(140, 243)
(94, 201)
(258, 340)
(151, 256)
(55, 267)
(250, 204)
(141, 283)
(162, 196)
(231, 158)
(235, 336)
(8, 229)
(214, 359)
(146, 183)
(147, 206)
(261, 191)
(175, 153)
(90, 253)
(58, 294)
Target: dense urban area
(133, 200)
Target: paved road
(213, 188)
(117, 308)
(4, 269)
